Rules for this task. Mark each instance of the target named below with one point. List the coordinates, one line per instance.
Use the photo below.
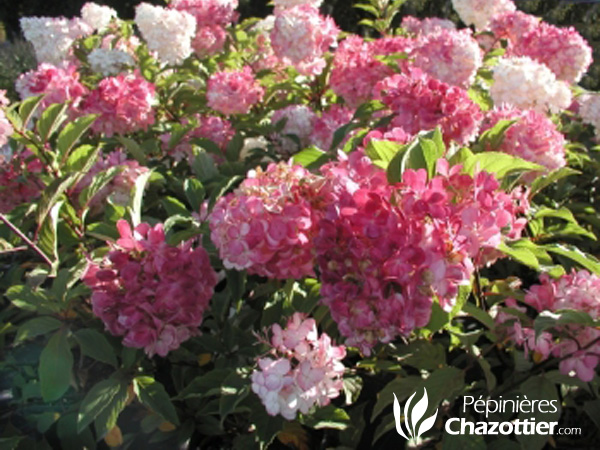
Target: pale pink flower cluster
(479, 12)
(109, 61)
(97, 16)
(563, 50)
(212, 16)
(18, 183)
(589, 110)
(58, 84)
(6, 129)
(426, 26)
(527, 84)
(151, 293)
(420, 102)
(119, 189)
(512, 26)
(384, 252)
(301, 36)
(327, 124)
(266, 226)
(299, 122)
(303, 369)
(451, 56)
(233, 92)
(579, 346)
(124, 104)
(291, 3)
(52, 37)
(356, 70)
(534, 137)
(168, 32)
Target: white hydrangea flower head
(291, 3)
(52, 37)
(168, 32)
(526, 84)
(108, 61)
(589, 110)
(97, 16)
(480, 12)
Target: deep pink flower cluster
(534, 137)
(384, 252)
(151, 293)
(58, 84)
(267, 225)
(124, 104)
(451, 56)
(420, 102)
(301, 36)
(327, 124)
(563, 50)
(233, 92)
(356, 70)
(303, 369)
(18, 184)
(579, 346)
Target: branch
(25, 239)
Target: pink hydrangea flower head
(18, 182)
(307, 371)
(301, 36)
(58, 84)
(450, 56)
(479, 12)
(124, 104)
(420, 102)
(208, 12)
(209, 40)
(328, 123)
(426, 26)
(563, 50)
(527, 84)
(168, 32)
(151, 293)
(395, 134)
(534, 137)
(512, 26)
(299, 122)
(233, 92)
(266, 226)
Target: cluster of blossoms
(328, 123)
(299, 122)
(124, 104)
(267, 225)
(480, 12)
(577, 346)
(384, 252)
(120, 187)
(58, 84)
(233, 92)
(155, 23)
(303, 369)
(52, 38)
(301, 36)
(533, 137)
(17, 183)
(512, 26)
(420, 102)
(212, 17)
(107, 61)
(6, 129)
(98, 17)
(589, 110)
(426, 26)
(151, 293)
(521, 82)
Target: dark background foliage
(582, 14)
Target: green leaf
(51, 119)
(153, 395)
(26, 298)
(56, 364)
(571, 252)
(548, 319)
(51, 194)
(233, 390)
(204, 166)
(95, 345)
(96, 400)
(28, 107)
(138, 195)
(311, 157)
(134, 148)
(194, 192)
(492, 139)
(329, 417)
(71, 134)
(107, 418)
(48, 238)
(422, 152)
(70, 438)
(523, 255)
(480, 315)
(36, 327)
(82, 158)
(100, 180)
(481, 97)
(546, 180)
(366, 110)
(423, 355)
(500, 164)
(205, 385)
(383, 152)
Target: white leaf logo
(416, 416)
